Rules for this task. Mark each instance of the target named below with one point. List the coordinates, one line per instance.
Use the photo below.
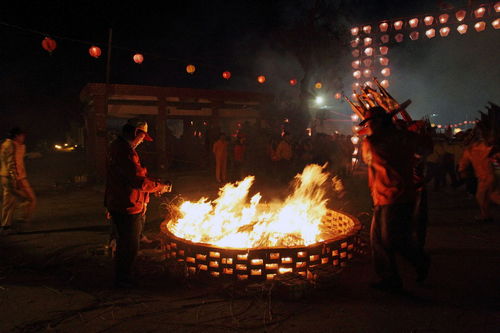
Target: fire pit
(266, 263)
(234, 236)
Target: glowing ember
(233, 221)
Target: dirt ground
(54, 277)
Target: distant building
(193, 116)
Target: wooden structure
(157, 105)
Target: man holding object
(127, 195)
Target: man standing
(220, 151)
(389, 154)
(284, 154)
(127, 195)
(16, 187)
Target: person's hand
(166, 188)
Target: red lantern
(95, 51)
(261, 79)
(293, 82)
(138, 58)
(226, 75)
(49, 44)
(190, 69)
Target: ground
(54, 277)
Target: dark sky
(215, 36)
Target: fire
(233, 221)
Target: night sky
(239, 36)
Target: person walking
(127, 195)
(15, 184)
(220, 151)
(389, 153)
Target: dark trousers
(128, 228)
(391, 233)
(421, 217)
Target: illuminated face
(139, 138)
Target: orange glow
(95, 51)
(431, 33)
(413, 22)
(497, 7)
(480, 26)
(414, 35)
(367, 62)
(190, 69)
(369, 51)
(318, 85)
(444, 31)
(384, 39)
(226, 75)
(428, 20)
(367, 41)
(367, 73)
(384, 50)
(338, 95)
(355, 53)
(443, 18)
(462, 28)
(386, 71)
(261, 79)
(355, 31)
(460, 15)
(384, 61)
(355, 64)
(399, 38)
(385, 83)
(478, 13)
(138, 58)
(356, 74)
(398, 25)
(235, 220)
(383, 26)
(367, 29)
(496, 24)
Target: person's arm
(10, 160)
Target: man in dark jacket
(127, 195)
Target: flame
(232, 221)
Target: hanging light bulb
(444, 31)
(443, 18)
(367, 29)
(367, 73)
(413, 22)
(480, 26)
(355, 64)
(356, 74)
(384, 50)
(367, 41)
(383, 26)
(354, 31)
(496, 23)
(369, 51)
(384, 61)
(478, 13)
(462, 28)
(386, 71)
(460, 15)
(398, 25)
(385, 83)
(430, 33)
(428, 20)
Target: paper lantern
(430, 33)
(261, 79)
(138, 58)
(338, 95)
(462, 28)
(367, 73)
(367, 62)
(414, 35)
(399, 37)
(460, 15)
(384, 39)
(478, 13)
(367, 29)
(356, 74)
(496, 24)
(355, 31)
(428, 20)
(384, 61)
(367, 41)
(190, 69)
(293, 82)
(355, 53)
(398, 25)
(444, 31)
(49, 44)
(413, 22)
(480, 26)
(383, 26)
(355, 64)
(386, 71)
(384, 50)
(318, 85)
(95, 51)
(443, 18)
(384, 83)
(369, 51)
